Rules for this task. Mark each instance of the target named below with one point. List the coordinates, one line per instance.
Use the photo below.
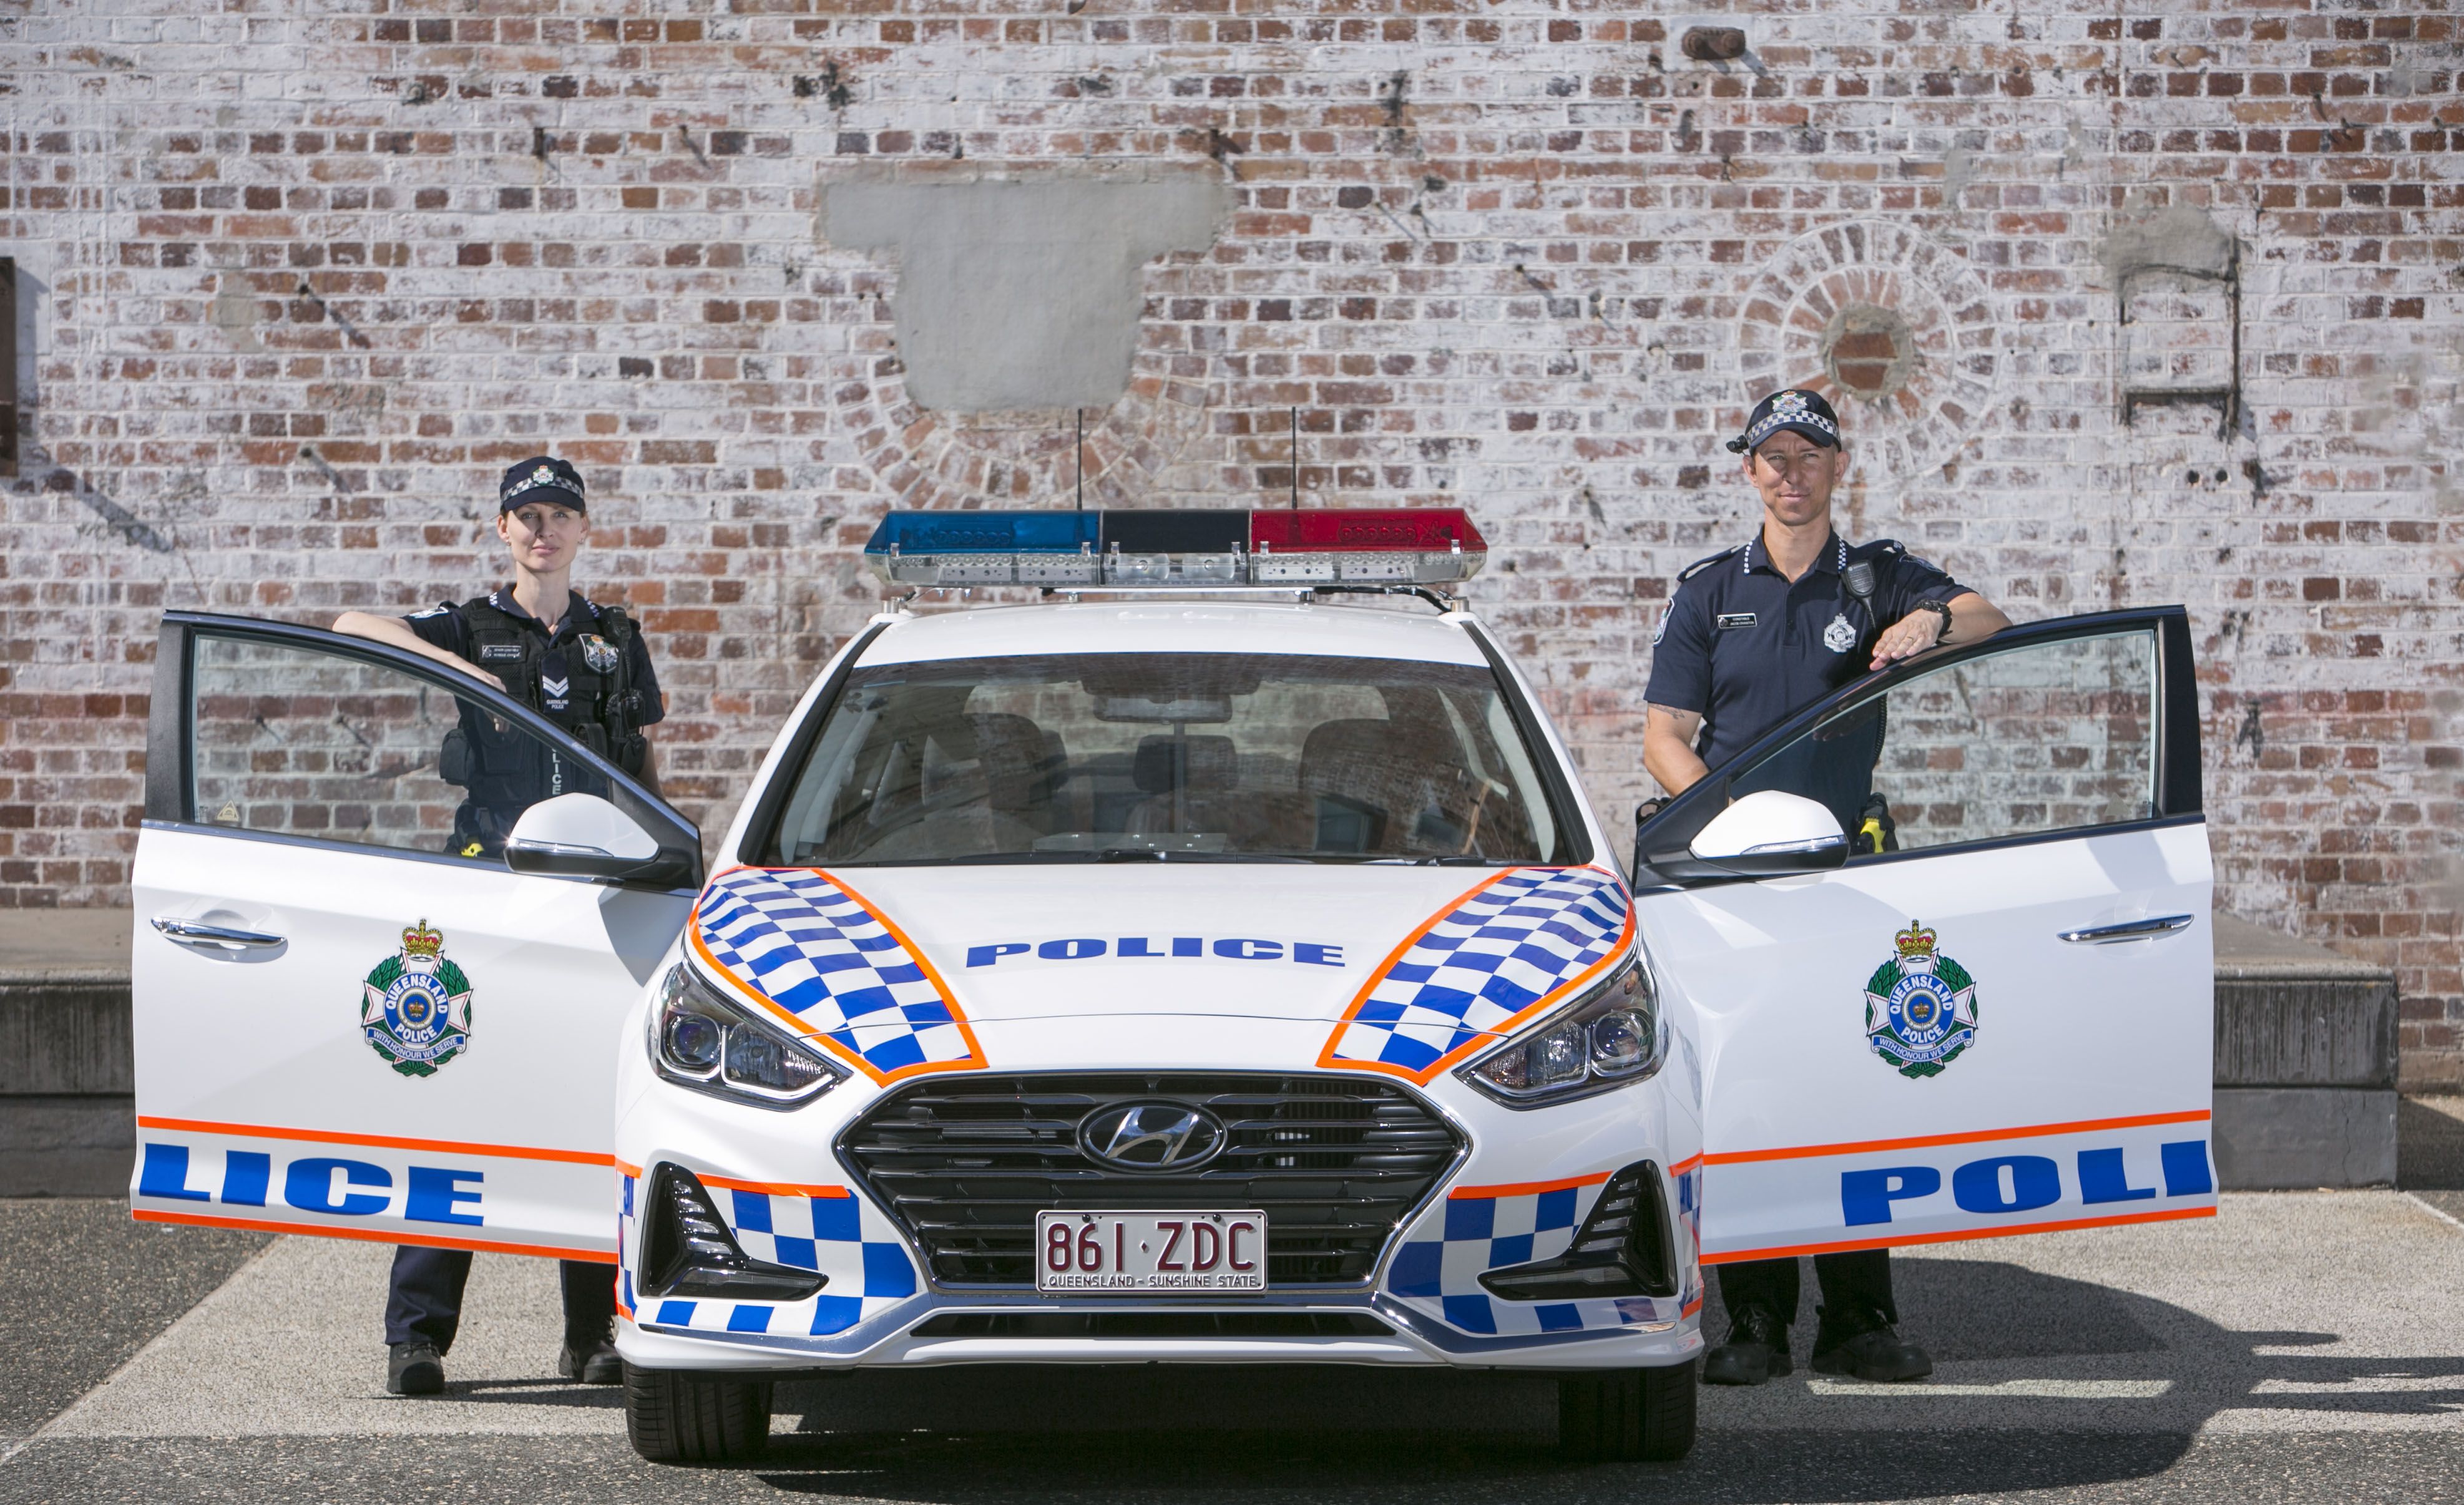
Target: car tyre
(676, 1416)
(1628, 1415)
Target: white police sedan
(1202, 966)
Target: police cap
(1799, 412)
(541, 478)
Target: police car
(1214, 962)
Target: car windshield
(1168, 757)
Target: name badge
(1735, 618)
(491, 652)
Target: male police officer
(584, 667)
(1752, 635)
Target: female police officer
(584, 667)
(1752, 636)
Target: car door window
(300, 741)
(2043, 737)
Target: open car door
(1995, 1017)
(351, 1020)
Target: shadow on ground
(2430, 1144)
(1120, 1433)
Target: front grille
(965, 1163)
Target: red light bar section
(1423, 530)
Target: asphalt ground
(2299, 1347)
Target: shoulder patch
(440, 609)
(1699, 565)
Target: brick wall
(297, 279)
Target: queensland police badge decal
(1919, 1007)
(416, 1007)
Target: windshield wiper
(1109, 854)
(1149, 854)
(1434, 861)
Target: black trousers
(1858, 1278)
(425, 1300)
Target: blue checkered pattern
(843, 1236)
(1438, 1269)
(1497, 957)
(627, 1227)
(1690, 1216)
(800, 939)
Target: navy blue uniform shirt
(442, 626)
(1747, 647)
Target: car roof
(1175, 627)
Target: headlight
(1605, 1038)
(698, 1039)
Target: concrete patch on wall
(1021, 294)
(234, 309)
(2181, 238)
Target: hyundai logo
(1150, 1135)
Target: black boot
(1756, 1350)
(414, 1368)
(590, 1358)
(1860, 1342)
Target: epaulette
(1878, 548)
(1699, 565)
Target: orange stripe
(777, 1190)
(1978, 1137)
(1690, 1308)
(1327, 1057)
(375, 1235)
(1526, 1189)
(1684, 1165)
(634, 1171)
(803, 1028)
(571, 1157)
(2012, 1231)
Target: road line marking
(125, 1365)
(2017, 1389)
(2448, 1218)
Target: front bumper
(1410, 1338)
(1519, 1193)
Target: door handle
(2129, 931)
(213, 937)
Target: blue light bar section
(912, 533)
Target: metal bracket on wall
(2226, 400)
(8, 366)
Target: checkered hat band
(1438, 1269)
(1776, 420)
(798, 938)
(1490, 959)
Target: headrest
(1340, 757)
(1195, 765)
(1019, 759)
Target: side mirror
(1642, 814)
(582, 836)
(1768, 833)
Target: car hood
(978, 964)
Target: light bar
(1213, 546)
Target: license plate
(1139, 1253)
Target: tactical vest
(504, 769)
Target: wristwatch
(1939, 608)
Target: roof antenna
(1296, 459)
(1079, 457)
